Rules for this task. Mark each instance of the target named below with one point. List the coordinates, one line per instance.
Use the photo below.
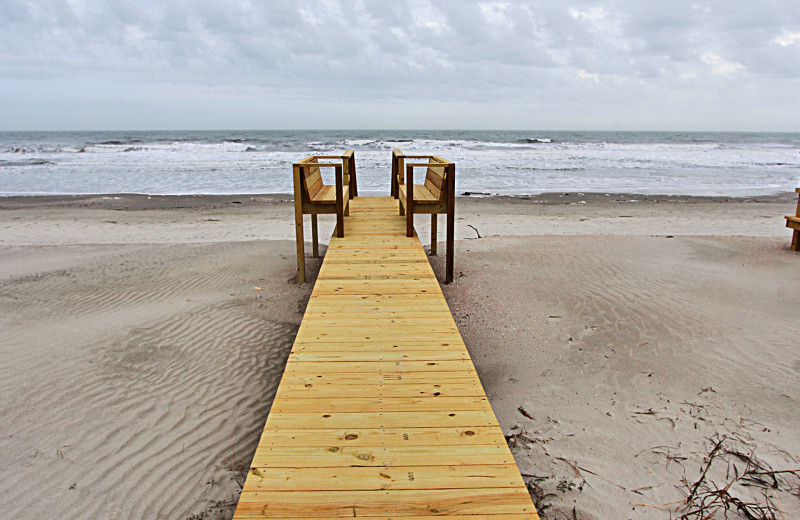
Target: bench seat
(327, 195)
(422, 195)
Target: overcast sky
(328, 64)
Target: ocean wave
(23, 150)
(500, 162)
(359, 142)
(119, 142)
(25, 162)
(535, 140)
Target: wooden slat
(434, 181)
(326, 194)
(379, 456)
(365, 478)
(380, 412)
(484, 435)
(419, 403)
(310, 354)
(380, 390)
(364, 378)
(422, 195)
(435, 419)
(399, 502)
(253, 514)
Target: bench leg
(301, 254)
(434, 234)
(410, 201)
(314, 236)
(450, 245)
(402, 208)
(796, 240)
(451, 222)
(410, 218)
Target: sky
(400, 64)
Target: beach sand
(615, 335)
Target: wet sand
(143, 339)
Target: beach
(617, 336)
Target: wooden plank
(397, 355)
(379, 456)
(442, 323)
(382, 346)
(484, 435)
(422, 403)
(420, 311)
(374, 335)
(396, 502)
(357, 478)
(370, 367)
(383, 377)
(253, 514)
(431, 419)
(380, 390)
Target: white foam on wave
(238, 166)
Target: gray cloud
(485, 64)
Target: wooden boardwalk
(380, 412)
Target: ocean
(487, 162)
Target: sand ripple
(138, 381)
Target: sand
(143, 339)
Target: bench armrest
(317, 165)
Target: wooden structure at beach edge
(380, 412)
(793, 222)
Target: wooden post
(796, 234)
(349, 162)
(393, 180)
(409, 201)
(434, 233)
(298, 225)
(398, 178)
(451, 213)
(353, 179)
(314, 236)
(339, 202)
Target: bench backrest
(435, 176)
(434, 181)
(312, 179)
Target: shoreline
(188, 219)
(137, 201)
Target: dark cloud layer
(329, 63)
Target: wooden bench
(794, 223)
(436, 195)
(312, 197)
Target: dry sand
(143, 339)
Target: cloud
(787, 38)
(721, 66)
(580, 56)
